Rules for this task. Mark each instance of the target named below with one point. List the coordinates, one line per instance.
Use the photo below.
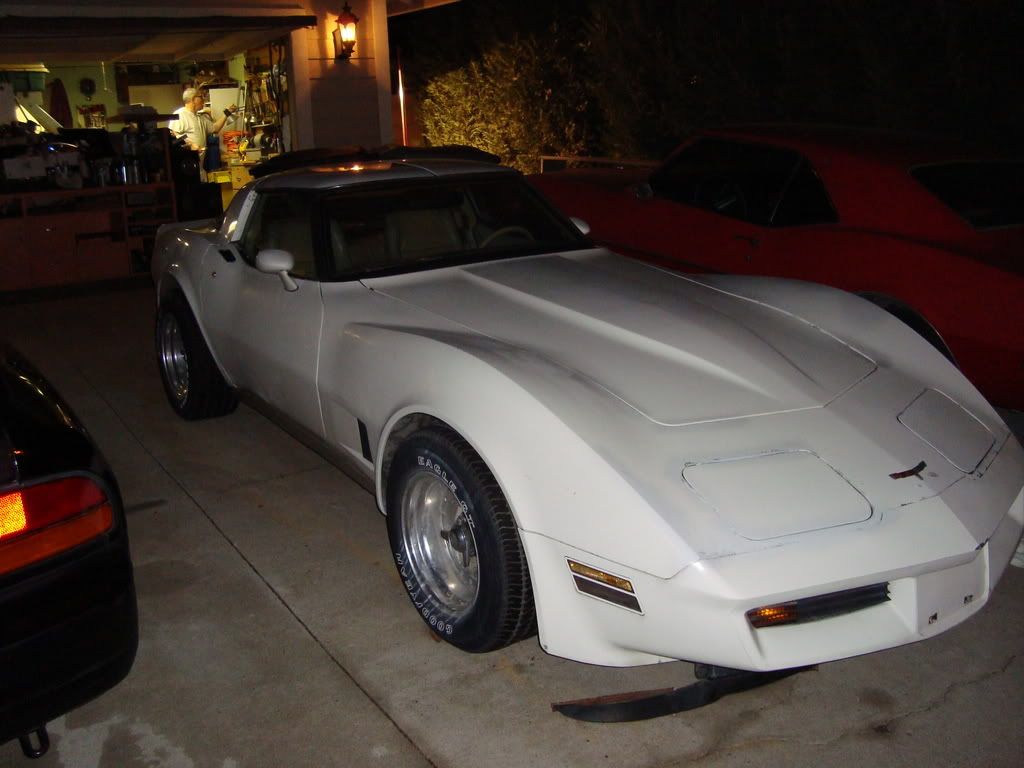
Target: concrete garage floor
(274, 631)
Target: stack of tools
(232, 141)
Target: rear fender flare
(913, 318)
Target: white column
(300, 108)
(382, 68)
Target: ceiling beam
(14, 27)
(155, 39)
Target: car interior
(379, 230)
(375, 230)
(398, 237)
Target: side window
(282, 220)
(248, 243)
(741, 181)
(240, 203)
(805, 201)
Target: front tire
(456, 544)
(193, 383)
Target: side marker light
(604, 586)
(605, 578)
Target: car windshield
(410, 226)
(987, 194)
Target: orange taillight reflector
(12, 514)
(43, 520)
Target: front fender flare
(506, 403)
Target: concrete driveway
(274, 631)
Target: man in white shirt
(193, 125)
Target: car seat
(421, 233)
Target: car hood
(675, 350)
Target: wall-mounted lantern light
(345, 34)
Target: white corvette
(639, 465)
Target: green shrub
(517, 100)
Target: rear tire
(193, 383)
(457, 545)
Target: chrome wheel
(440, 543)
(173, 357)
(456, 543)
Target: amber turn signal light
(772, 615)
(819, 606)
(603, 585)
(605, 578)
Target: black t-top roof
(303, 158)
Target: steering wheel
(722, 195)
(513, 229)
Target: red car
(927, 229)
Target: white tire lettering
(421, 599)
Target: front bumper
(939, 573)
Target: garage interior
(106, 77)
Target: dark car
(68, 622)
(929, 229)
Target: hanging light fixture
(345, 33)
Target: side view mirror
(274, 261)
(581, 225)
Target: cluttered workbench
(75, 207)
(257, 138)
